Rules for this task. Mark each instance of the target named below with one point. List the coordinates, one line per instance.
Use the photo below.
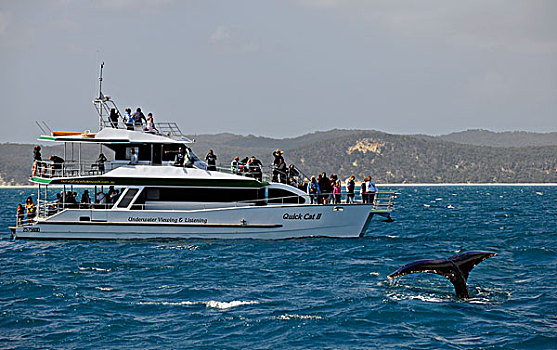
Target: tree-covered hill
(502, 139)
(388, 158)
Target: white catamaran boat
(162, 199)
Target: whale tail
(456, 269)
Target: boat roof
(149, 175)
(112, 136)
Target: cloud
(226, 39)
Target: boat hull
(268, 222)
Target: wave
(209, 304)
(300, 317)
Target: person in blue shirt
(128, 117)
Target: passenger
(293, 174)
(211, 159)
(189, 159)
(69, 200)
(139, 118)
(129, 119)
(37, 161)
(313, 190)
(113, 195)
(254, 166)
(30, 209)
(180, 156)
(100, 162)
(58, 202)
(337, 194)
(100, 198)
(109, 194)
(304, 186)
(281, 170)
(113, 117)
(326, 188)
(20, 214)
(151, 124)
(332, 181)
(244, 165)
(371, 190)
(85, 200)
(363, 191)
(57, 164)
(278, 156)
(235, 165)
(133, 157)
(350, 186)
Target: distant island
(472, 156)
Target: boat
(159, 198)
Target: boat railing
(265, 173)
(50, 169)
(384, 200)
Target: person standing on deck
(350, 186)
(337, 194)
(113, 118)
(37, 159)
(363, 191)
(211, 159)
(133, 156)
(235, 165)
(129, 119)
(20, 214)
(30, 209)
(139, 118)
(100, 162)
(371, 190)
(313, 190)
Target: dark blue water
(304, 293)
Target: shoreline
(380, 185)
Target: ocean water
(302, 293)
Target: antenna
(46, 126)
(40, 127)
(101, 82)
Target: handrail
(50, 169)
(384, 201)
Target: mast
(101, 97)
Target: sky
(282, 68)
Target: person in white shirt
(371, 189)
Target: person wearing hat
(235, 165)
(254, 166)
(278, 156)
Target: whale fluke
(456, 269)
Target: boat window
(279, 195)
(204, 194)
(153, 194)
(127, 198)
